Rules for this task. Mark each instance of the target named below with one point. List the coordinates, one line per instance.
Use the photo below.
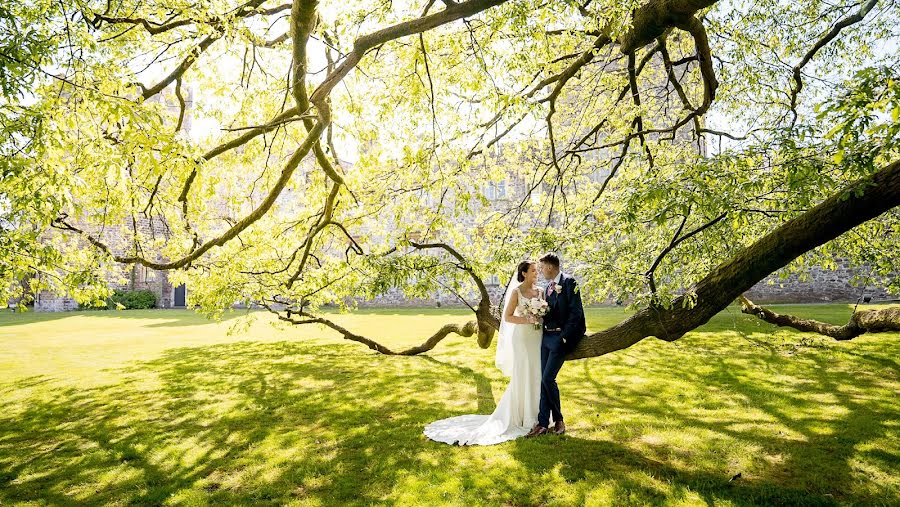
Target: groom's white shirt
(557, 280)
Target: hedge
(133, 299)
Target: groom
(563, 328)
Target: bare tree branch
(677, 239)
(825, 39)
(867, 321)
(466, 330)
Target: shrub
(133, 299)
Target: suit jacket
(566, 312)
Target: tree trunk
(856, 204)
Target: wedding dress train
(517, 411)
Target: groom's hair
(551, 258)
(522, 268)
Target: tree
(712, 135)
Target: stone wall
(820, 286)
(46, 301)
(142, 279)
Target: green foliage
(132, 300)
(419, 120)
(26, 43)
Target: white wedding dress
(517, 411)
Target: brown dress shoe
(559, 428)
(537, 430)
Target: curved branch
(182, 105)
(322, 222)
(828, 37)
(723, 134)
(363, 44)
(676, 240)
(154, 27)
(562, 78)
(636, 99)
(866, 321)
(855, 204)
(234, 230)
(673, 79)
(179, 71)
(465, 330)
(487, 323)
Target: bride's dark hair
(522, 269)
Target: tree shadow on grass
(236, 423)
(271, 423)
(485, 393)
(804, 415)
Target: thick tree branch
(866, 321)
(846, 209)
(653, 18)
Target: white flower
(537, 307)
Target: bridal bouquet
(537, 307)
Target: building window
(495, 190)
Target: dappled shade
(803, 419)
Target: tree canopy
(676, 151)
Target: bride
(518, 357)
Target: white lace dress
(517, 411)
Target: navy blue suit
(566, 313)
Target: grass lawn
(164, 407)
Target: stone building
(136, 277)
